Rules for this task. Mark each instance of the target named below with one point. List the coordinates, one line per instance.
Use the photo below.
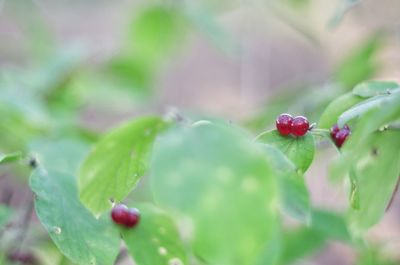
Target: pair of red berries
(339, 135)
(286, 124)
(122, 215)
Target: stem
(393, 194)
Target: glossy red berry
(338, 135)
(133, 217)
(119, 214)
(334, 130)
(341, 137)
(122, 215)
(284, 124)
(300, 126)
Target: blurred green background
(73, 69)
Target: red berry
(284, 124)
(341, 136)
(300, 126)
(334, 130)
(133, 217)
(119, 214)
(123, 216)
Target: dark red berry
(119, 214)
(122, 215)
(341, 136)
(300, 126)
(334, 130)
(338, 135)
(284, 124)
(133, 217)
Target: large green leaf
(331, 114)
(155, 240)
(374, 88)
(300, 150)
(117, 162)
(294, 195)
(76, 232)
(378, 171)
(220, 179)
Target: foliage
(208, 191)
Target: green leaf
(374, 88)
(9, 158)
(300, 150)
(299, 243)
(117, 162)
(295, 198)
(5, 215)
(362, 108)
(330, 224)
(221, 180)
(378, 171)
(374, 120)
(155, 240)
(331, 114)
(79, 236)
(303, 241)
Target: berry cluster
(338, 135)
(286, 124)
(122, 215)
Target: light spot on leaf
(57, 230)
(175, 261)
(163, 251)
(250, 184)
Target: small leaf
(299, 243)
(9, 158)
(221, 180)
(362, 107)
(5, 215)
(375, 88)
(300, 150)
(331, 225)
(331, 114)
(155, 240)
(295, 198)
(117, 162)
(79, 236)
